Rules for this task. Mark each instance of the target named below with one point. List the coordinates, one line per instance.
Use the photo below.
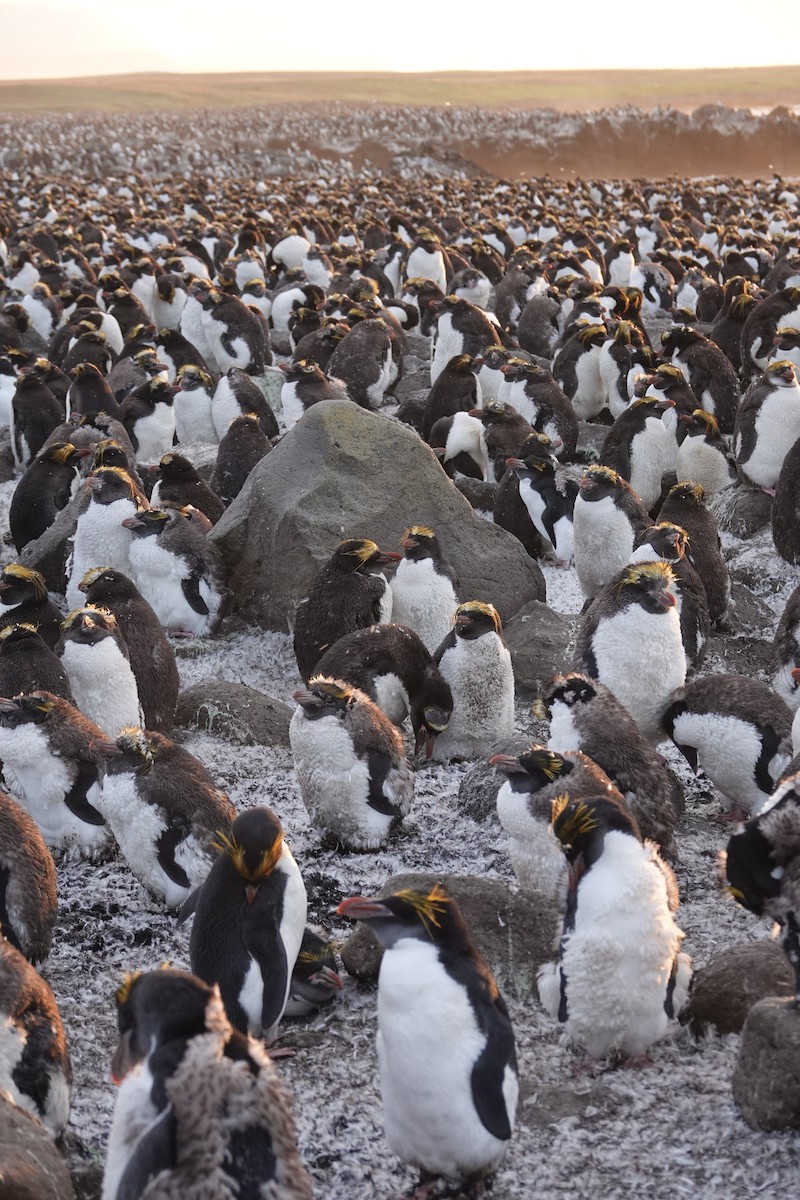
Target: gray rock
(234, 711)
(30, 1166)
(7, 469)
(749, 614)
(344, 472)
(541, 643)
(513, 930)
(477, 795)
(271, 384)
(766, 1081)
(480, 495)
(724, 991)
(592, 438)
(741, 510)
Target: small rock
(591, 438)
(541, 1105)
(234, 711)
(271, 383)
(481, 495)
(766, 1081)
(31, 1167)
(749, 614)
(741, 510)
(541, 643)
(724, 991)
(513, 930)
(477, 795)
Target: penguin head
(89, 625)
(190, 377)
(361, 554)
(536, 456)
(18, 583)
(63, 454)
(679, 338)
(597, 482)
(686, 493)
(427, 916)
(23, 636)
(174, 468)
(326, 697)
(108, 452)
(101, 583)
(573, 690)
(699, 423)
(780, 373)
(32, 709)
(109, 484)
(648, 584)
(669, 541)
(418, 542)
(157, 1007)
(315, 977)
(581, 826)
(533, 769)
(474, 618)
(786, 338)
(148, 522)
(750, 869)
(133, 752)
(254, 846)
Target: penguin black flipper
(75, 798)
(153, 1153)
(167, 844)
(618, 459)
(263, 941)
(670, 717)
(379, 766)
(770, 744)
(189, 906)
(489, 1071)
(191, 590)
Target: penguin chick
(392, 666)
(178, 571)
(163, 808)
(534, 779)
(28, 886)
(607, 518)
(760, 866)
(315, 979)
(448, 1069)
(200, 1109)
(475, 662)
(95, 658)
(28, 665)
(47, 486)
(586, 716)
(151, 657)
(346, 594)
(305, 385)
(620, 977)
(630, 640)
(35, 1070)
(424, 587)
(24, 601)
(180, 483)
(249, 917)
(51, 767)
(738, 731)
(354, 777)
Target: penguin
(455, 390)
(35, 1068)
(391, 665)
(363, 362)
(178, 571)
(619, 263)
(761, 325)
(534, 393)
(739, 295)
(236, 334)
(200, 1108)
(630, 640)
(708, 371)
(164, 809)
(241, 448)
(504, 433)
(192, 405)
(346, 594)
(472, 285)
(786, 345)
(786, 652)
(149, 419)
(24, 600)
(426, 260)
(768, 424)
(28, 883)
(668, 543)
(585, 715)
(89, 393)
(49, 483)
(52, 769)
(738, 731)
(623, 355)
(537, 320)
(424, 587)
(306, 384)
(355, 780)
(448, 1069)
(27, 664)
(475, 662)
(533, 780)
(621, 977)
(95, 657)
(168, 301)
(319, 346)
(607, 518)
(759, 867)
(88, 358)
(108, 497)
(315, 979)
(249, 918)
(425, 296)
(176, 352)
(703, 454)
(637, 448)
(151, 658)
(35, 413)
(549, 501)
(461, 328)
(684, 506)
(577, 370)
(237, 393)
(180, 483)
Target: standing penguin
(786, 652)
(110, 496)
(200, 1109)
(27, 664)
(192, 405)
(346, 594)
(630, 640)
(637, 448)
(424, 587)
(445, 1042)
(708, 370)
(306, 385)
(549, 500)
(47, 486)
(148, 416)
(249, 917)
(350, 761)
(577, 370)
(240, 448)
(35, 413)
(151, 657)
(363, 362)
(536, 395)
(95, 658)
(24, 600)
(180, 483)
(461, 328)
(684, 506)
(456, 389)
(164, 809)
(669, 543)
(237, 393)
(620, 977)
(607, 518)
(28, 884)
(768, 424)
(475, 662)
(703, 454)
(738, 731)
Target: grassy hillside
(565, 90)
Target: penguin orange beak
(507, 763)
(795, 673)
(132, 523)
(360, 908)
(328, 977)
(387, 556)
(665, 600)
(106, 749)
(250, 892)
(515, 462)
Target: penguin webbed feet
(433, 1187)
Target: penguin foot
(589, 1066)
(735, 815)
(636, 1062)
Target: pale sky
(47, 38)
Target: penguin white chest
(640, 658)
(155, 434)
(224, 408)
(428, 1044)
(603, 542)
(564, 732)
(100, 541)
(103, 684)
(728, 749)
(777, 428)
(536, 855)
(649, 454)
(424, 600)
(193, 421)
(482, 682)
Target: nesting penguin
(621, 977)
(351, 765)
(200, 1109)
(95, 657)
(445, 1043)
(249, 917)
(315, 979)
(475, 662)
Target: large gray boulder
(345, 472)
(766, 1082)
(234, 711)
(724, 991)
(541, 643)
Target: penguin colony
(139, 322)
